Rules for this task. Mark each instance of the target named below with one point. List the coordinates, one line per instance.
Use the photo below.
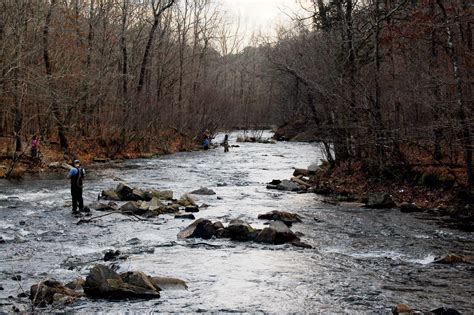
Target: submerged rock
(99, 206)
(203, 191)
(166, 283)
(445, 311)
(400, 309)
(407, 207)
(103, 282)
(286, 217)
(189, 216)
(192, 209)
(379, 201)
(453, 259)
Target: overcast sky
(259, 15)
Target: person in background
(76, 175)
(226, 143)
(34, 147)
(206, 143)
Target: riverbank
(89, 150)
(423, 190)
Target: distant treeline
(119, 71)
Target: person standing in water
(226, 143)
(206, 143)
(76, 175)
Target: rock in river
(407, 207)
(135, 207)
(103, 282)
(286, 217)
(110, 195)
(379, 200)
(285, 184)
(239, 230)
(277, 233)
(186, 200)
(124, 191)
(203, 191)
(48, 291)
(201, 228)
(453, 259)
(189, 216)
(166, 283)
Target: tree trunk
(54, 103)
(466, 138)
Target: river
(362, 260)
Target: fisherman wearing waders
(225, 144)
(76, 174)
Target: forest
(386, 84)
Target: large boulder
(48, 291)
(286, 217)
(239, 230)
(277, 233)
(203, 191)
(379, 200)
(201, 228)
(103, 282)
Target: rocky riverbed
(360, 260)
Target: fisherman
(76, 174)
(34, 147)
(206, 143)
(226, 143)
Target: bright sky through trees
(259, 16)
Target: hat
(77, 162)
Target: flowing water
(362, 260)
